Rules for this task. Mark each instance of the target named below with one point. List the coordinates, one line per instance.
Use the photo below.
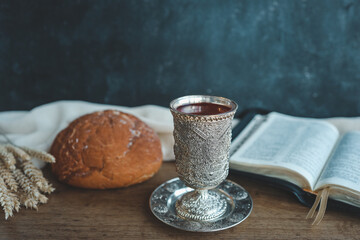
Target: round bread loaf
(107, 149)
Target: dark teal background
(296, 57)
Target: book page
(343, 168)
(301, 145)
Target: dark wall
(296, 57)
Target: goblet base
(201, 205)
(163, 201)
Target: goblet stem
(203, 194)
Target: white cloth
(37, 128)
(345, 125)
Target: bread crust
(106, 149)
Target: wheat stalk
(8, 177)
(21, 182)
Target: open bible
(315, 155)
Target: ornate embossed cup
(202, 145)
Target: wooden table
(74, 213)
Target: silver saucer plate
(163, 199)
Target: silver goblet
(202, 145)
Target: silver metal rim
(191, 99)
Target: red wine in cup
(203, 109)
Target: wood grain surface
(74, 213)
